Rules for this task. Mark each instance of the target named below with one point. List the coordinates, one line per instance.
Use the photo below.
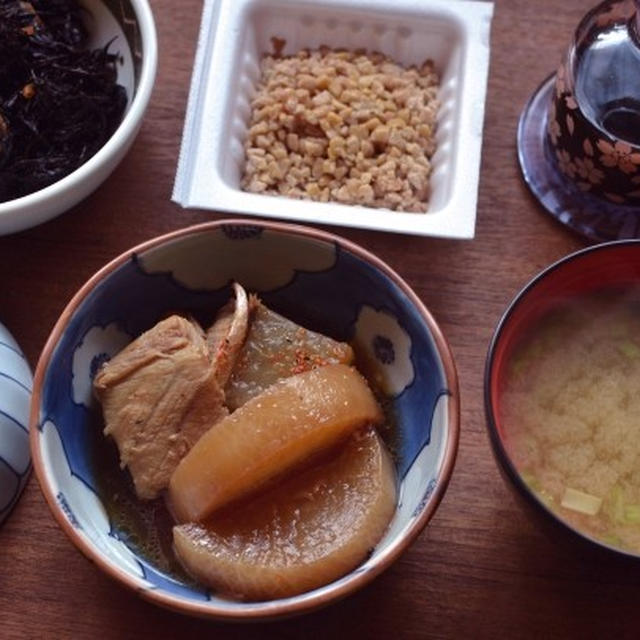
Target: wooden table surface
(481, 568)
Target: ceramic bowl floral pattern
(316, 279)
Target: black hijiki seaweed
(59, 101)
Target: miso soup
(571, 414)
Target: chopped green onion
(632, 513)
(613, 540)
(531, 481)
(581, 502)
(616, 505)
(546, 497)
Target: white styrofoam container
(235, 34)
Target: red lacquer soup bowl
(599, 270)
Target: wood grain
(482, 568)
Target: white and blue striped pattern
(15, 394)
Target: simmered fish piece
(277, 348)
(159, 395)
(227, 334)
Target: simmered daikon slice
(291, 420)
(305, 532)
(277, 348)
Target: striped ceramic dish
(15, 395)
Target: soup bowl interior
(318, 280)
(607, 267)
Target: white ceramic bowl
(315, 278)
(235, 34)
(131, 23)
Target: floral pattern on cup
(590, 158)
(620, 154)
(588, 172)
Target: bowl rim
(305, 602)
(497, 443)
(124, 132)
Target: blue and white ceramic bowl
(15, 395)
(315, 278)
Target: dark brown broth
(143, 525)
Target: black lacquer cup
(594, 116)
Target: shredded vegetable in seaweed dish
(59, 100)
